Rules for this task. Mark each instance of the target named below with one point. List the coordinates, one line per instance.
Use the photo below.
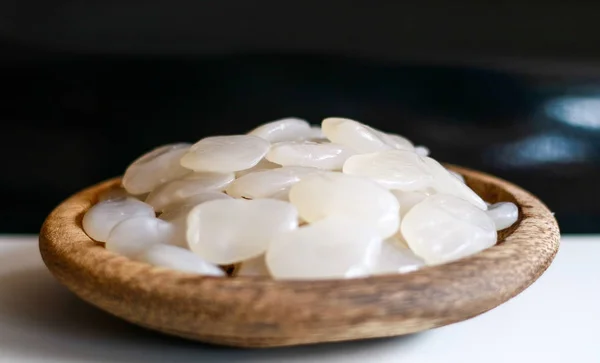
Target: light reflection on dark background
(91, 85)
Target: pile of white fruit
(295, 201)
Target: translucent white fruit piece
(100, 219)
(446, 183)
(230, 231)
(335, 194)
(504, 214)
(354, 134)
(285, 129)
(327, 156)
(178, 258)
(407, 171)
(268, 183)
(394, 258)
(334, 247)
(263, 164)
(132, 236)
(422, 150)
(224, 154)
(393, 169)
(444, 228)
(177, 191)
(256, 266)
(176, 214)
(155, 168)
(408, 200)
(360, 137)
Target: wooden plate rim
(250, 311)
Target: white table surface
(555, 320)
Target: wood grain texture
(260, 312)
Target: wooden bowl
(260, 312)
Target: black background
(88, 86)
